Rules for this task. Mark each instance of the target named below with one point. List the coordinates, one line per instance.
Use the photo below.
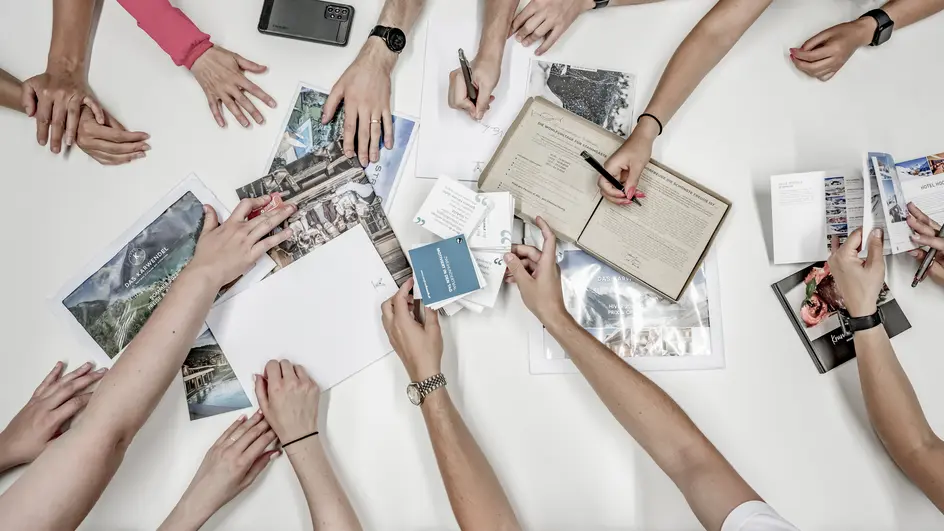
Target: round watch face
(413, 392)
(396, 40)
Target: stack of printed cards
(452, 210)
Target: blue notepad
(444, 270)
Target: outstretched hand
(222, 75)
(111, 143)
(233, 462)
(57, 399)
(538, 276)
(546, 20)
(225, 251)
(289, 399)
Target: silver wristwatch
(418, 391)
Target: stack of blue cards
(445, 272)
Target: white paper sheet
(451, 209)
(450, 142)
(322, 311)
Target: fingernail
(68, 140)
(348, 154)
(916, 237)
(103, 370)
(876, 233)
(276, 454)
(146, 147)
(140, 155)
(255, 377)
(86, 365)
(508, 258)
(290, 232)
(272, 104)
(55, 149)
(913, 253)
(146, 136)
(641, 194)
(241, 418)
(630, 192)
(626, 201)
(259, 412)
(42, 142)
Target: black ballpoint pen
(606, 175)
(467, 75)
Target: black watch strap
(597, 4)
(884, 26)
(394, 38)
(859, 324)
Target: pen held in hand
(595, 164)
(926, 263)
(467, 76)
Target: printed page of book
(661, 242)
(799, 217)
(922, 182)
(873, 216)
(451, 142)
(894, 205)
(320, 311)
(540, 164)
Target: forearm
(184, 517)
(498, 17)
(6, 460)
(704, 47)
(400, 14)
(10, 92)
(890, 399)
(615, 3)
(476, 496)
(907, 12)
(328, 504)
(138, 380)
(711, 486)
(71, 29)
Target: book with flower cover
(812, 301)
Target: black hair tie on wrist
(658, 121)
(312, 434)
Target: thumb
(517, 270)
(28, 99)
(210, 219)
(262, 393)
(875, 245)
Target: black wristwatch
(597, 4)
(885, 26)
(394, 37)
(851, 325)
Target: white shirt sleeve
(755, 516)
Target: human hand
(823, 55)
(419, 345)
(109, 144)
(860, 281)
(548, 20)
(538, 276)
(365, 89)
(628, 162)
(926, 230)
(225, 251)
(57, 399)
(289, 400)
(221, 74)
(55, 98)
(233, 462)
(486, 71)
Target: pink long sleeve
(170, 28)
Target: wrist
(557, 320)
(65, 64)
(376, 53)
(201, 277)
(186, 516)
(423, 370)
(7, 459)
(863, 310)
(647, 128)
(865, 30)
(306, 446)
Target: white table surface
(801, 439)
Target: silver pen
(926, 264)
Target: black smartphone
(308, 20)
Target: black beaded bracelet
(658, 121)
(312, 434)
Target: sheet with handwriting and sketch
(450, 142)
(322, 311)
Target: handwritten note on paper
(450, 141)
(451, 209)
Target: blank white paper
(322, 311)
(450, 142)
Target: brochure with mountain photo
(115, 294)
(812, 301)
